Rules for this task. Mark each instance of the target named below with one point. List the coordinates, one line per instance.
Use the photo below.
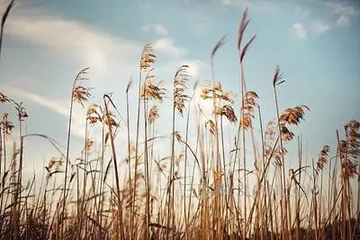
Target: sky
(316, 43)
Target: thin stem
(131, 220)
(115, 164)
(67, 159)
(136, 150)
(283, 209)
(147, 178)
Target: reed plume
(153, 114)
(151, 90)
(323, 157)
(148, 57)
(180, 80)
(250, 102)
(3, 98)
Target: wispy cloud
(344, 13)
(163, 43)
(299, 31)
(158, 29)
(108, 56)
(167, 46)
(161, 30)
(319, 26)
(85, 44)
(194, 67)
(72, 39)
(37, 99)
(59, 107)
(337, 14)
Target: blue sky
(316, 44)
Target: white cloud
(339, 14)
(206, 106)
(345, 13)
(195, 66)
(166, 45)
(299, 31)
(158, 29)
(196, 69)
(163, 43)
(319, 26)
(86, 45)
(108, 56)
(78, 44)
(53, 106)
(72, 39)
(78, 127)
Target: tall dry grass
(205, 186)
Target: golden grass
(206, 188)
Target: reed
(229, 177)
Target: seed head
(8, 127)
(210, 125)
(152, 90)
(250, 102)
(153, 114)
(349, 169)
(180, 79)
(148, 57)
(286, 135)
(214, 89)
(293, 115)
(178, 136)
(81, 94)
(92, 114)
(109, 119)
(323, 157)
(3, 98)
(228, 112)
(89, 143)
(352, 130)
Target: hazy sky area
(46, 42)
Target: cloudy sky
(316, 44)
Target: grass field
(204, 186)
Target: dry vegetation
(207, 187)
